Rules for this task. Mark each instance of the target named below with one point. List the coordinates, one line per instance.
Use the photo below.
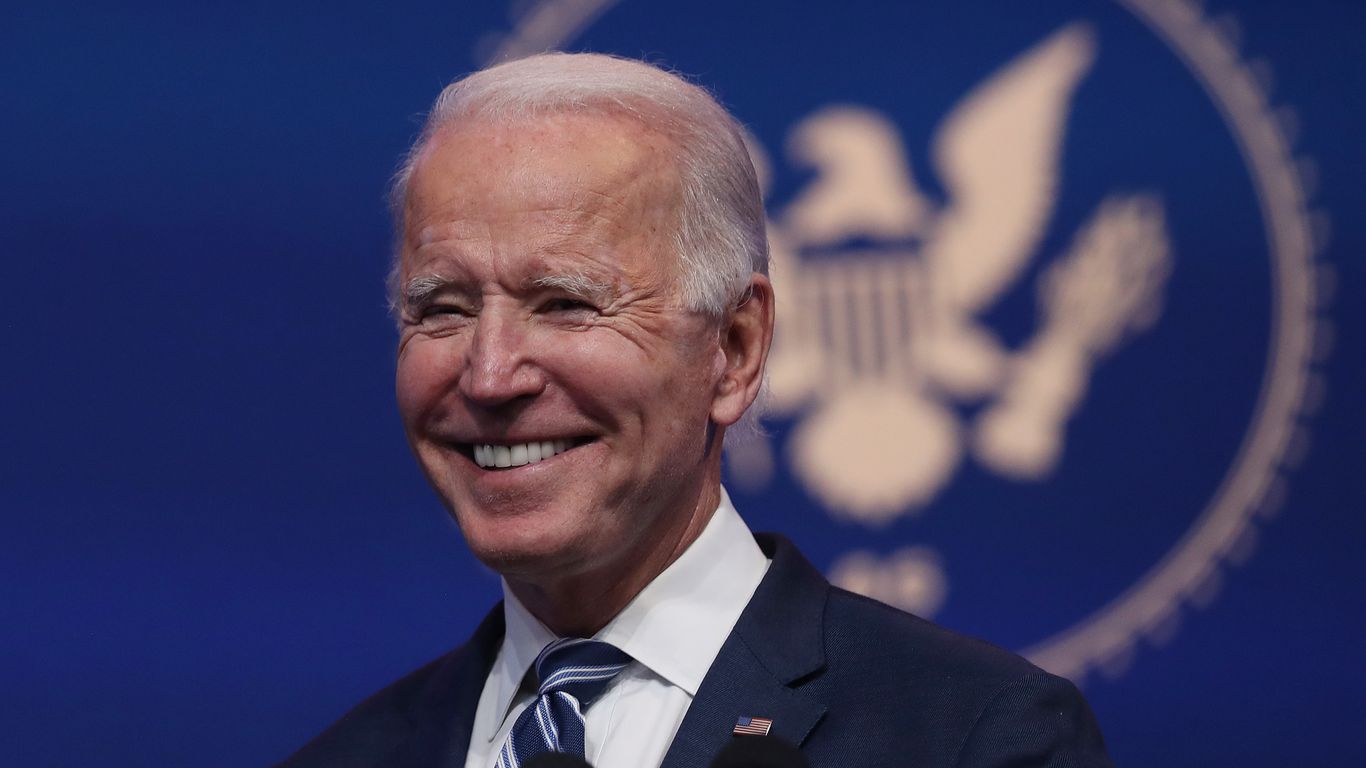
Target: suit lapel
(442, 715)
(778, 642)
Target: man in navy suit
(584, 309)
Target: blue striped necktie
(572, 672)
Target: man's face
(541, 310)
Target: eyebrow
(575, 284)
(419, 290)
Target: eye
(565, 304)
(443, 314)
(443, 309)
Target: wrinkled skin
(548, 309)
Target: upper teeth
(517, 455)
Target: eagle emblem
(883, 357)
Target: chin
(532, 548)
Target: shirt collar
(674, 627)
(523, 639)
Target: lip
(492, 484)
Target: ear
(744, 341)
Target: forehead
(576, 168)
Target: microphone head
(556, 760)
(759, 752)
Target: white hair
(720, 239)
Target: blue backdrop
(214, 540)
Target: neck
(581, 604)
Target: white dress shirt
(673, 629)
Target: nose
(501, 365)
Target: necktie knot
(581, 668)
(570, 673)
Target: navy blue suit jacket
(850, 681)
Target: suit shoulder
(863, 630)
(968, 701)
(371, 728)
(374, 731)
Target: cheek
(679, 395)
(420, 378)
(597, 362)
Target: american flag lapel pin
(752, 726)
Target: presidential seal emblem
(1050, 317)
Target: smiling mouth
(493, 456)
